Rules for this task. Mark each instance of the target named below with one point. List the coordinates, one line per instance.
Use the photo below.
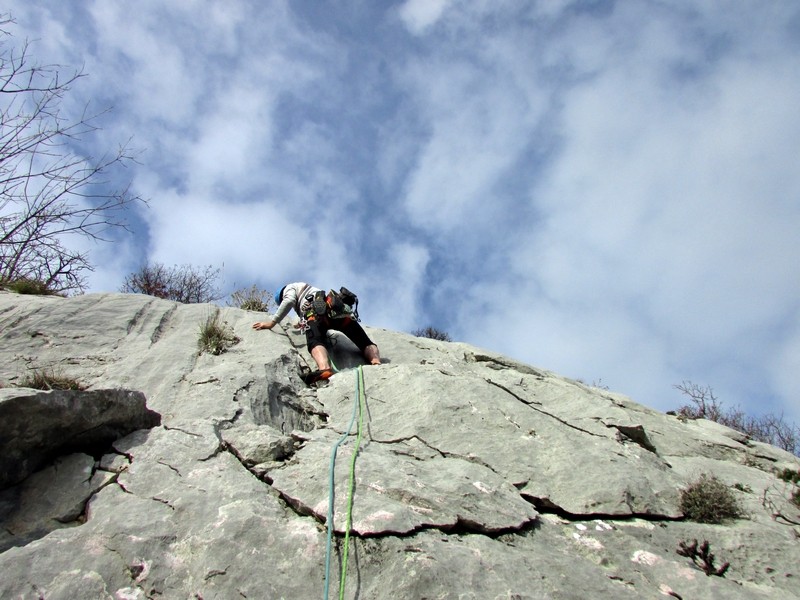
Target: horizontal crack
(546, 507)
(215, 573)
(461, 526)
(163, 501)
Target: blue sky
(609, 190)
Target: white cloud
(669, 203)
(479, 122)
(232, 141)
(145, 62)
(784, 369)
(393, 291)
(257, 242)
(669, 215)
(607, 189)
(419, 15)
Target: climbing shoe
(319, 304)
(315, 376)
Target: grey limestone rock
(38, 426)
(473, 475)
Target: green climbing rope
(331, 487)
(352, 482)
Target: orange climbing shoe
(315, 376)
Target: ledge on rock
(399, 494)
(38, 426)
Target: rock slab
(475, 476)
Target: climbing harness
(358, 407)
(333, 305)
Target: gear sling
(337, 311)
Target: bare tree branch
(186, 283)
(48, 193)
(770, 429)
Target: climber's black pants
(317, 332)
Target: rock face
(475, 476)
(37, 427)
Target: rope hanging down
(357, 407)
(352, 483)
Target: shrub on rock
(708, 500)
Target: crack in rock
(216, 573)
(178, 429)
(278, 403)
(539, 410)
(546, 507)
(398, 494)
(163, 501)
(170, 467)
(442, 453)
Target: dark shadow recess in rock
(49, 441)
(36, 427)
(284, 401)
(545, 506)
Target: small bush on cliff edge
(252, 298)
(433, 333)
(708, 500)
(28, 286)
(187, 284)
(792, 476)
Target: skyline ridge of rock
(477, 477)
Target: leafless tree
(48, 192)
(771, 429)
(704, 403)
(432, 333)
(186, 284)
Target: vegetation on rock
(48, 380)
(708, 500)
(187, 284)
(252, 298)
(770, 428)
(29, 286)
(702, 557)
(432, 333)
(215, 336)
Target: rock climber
(317, 317)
